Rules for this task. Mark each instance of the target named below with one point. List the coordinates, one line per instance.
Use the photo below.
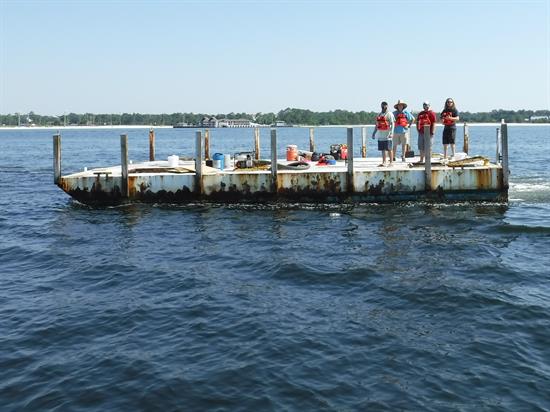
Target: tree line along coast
(289, 116)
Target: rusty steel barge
(355, 180)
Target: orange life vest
(447, 118)
(424, 120)
(401, 120)
(382, 123)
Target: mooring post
(124, 187)
(427, 159)
(151, 145)
(206, 144)
(198, 162)
(498, 155)
(504, 140)
(257, 143)
(364, 142)
(57, 159)
(350, 160)
(311, 139)
(466, 146)
(274, 187)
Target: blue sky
(262, 56)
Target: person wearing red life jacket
(449, 117)
(384, 129)
(403, 121)
(425, 118)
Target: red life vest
(401, 120)
(382, 123)
(447, 118)
(423, 120)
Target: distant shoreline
(198, 127)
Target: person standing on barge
(384, 129)
(425, 118)
(449, 117)
(401, 133)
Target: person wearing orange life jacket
(449, 117)
(425, 118)
(384, 129)
(403, 120)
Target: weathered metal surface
(235, 187)
(318, 184)
(472, 178)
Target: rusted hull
(379, 185)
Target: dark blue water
(152, 307)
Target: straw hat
(400, 102)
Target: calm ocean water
(421, 307)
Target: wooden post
(498, 159)
(257, 143)
(151, 145)
(427, 159)
(198, 162)
(505, 167)
(350, 160)
(206, 144)
(274, 186)
(124, 188)
(364, 142)
(311, 139)
(466, 138)
(57, 159)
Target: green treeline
(289, 116)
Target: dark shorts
(384, 145)
(449, 135)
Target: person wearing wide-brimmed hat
(384, 129)
(403, 121)
(425, 118)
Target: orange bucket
(292, 152)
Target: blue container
(219, 156)
(331, 161)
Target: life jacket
(447, 118)
(382, 123)
(401, 120)
(424, 120)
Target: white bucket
(173, 161)
(227, 161)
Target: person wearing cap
(384, 129)
(403, 121)
(425, 118)
(449, 117)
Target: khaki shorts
(401, 138)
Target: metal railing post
(274, 184)
(57, 159)
(124, 187)
(427, 159)
(198, 162)
(350, 160)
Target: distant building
(209, 122)
(236, 123)
(535, 118)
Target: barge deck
(356, 180)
